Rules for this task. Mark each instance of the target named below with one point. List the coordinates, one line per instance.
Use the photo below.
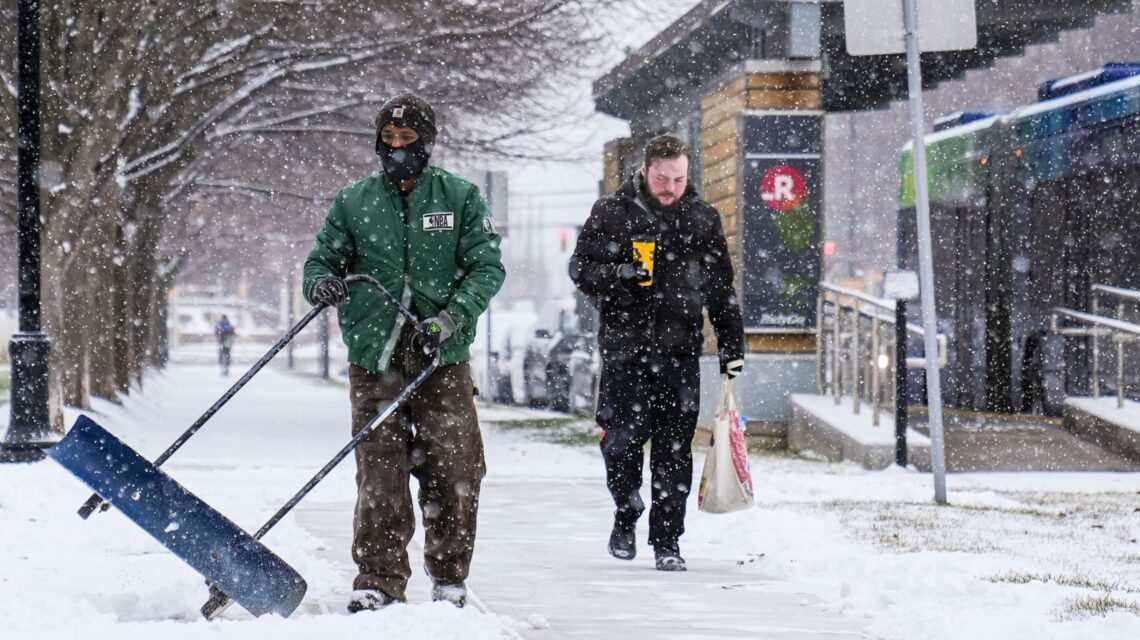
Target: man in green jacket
(427, 236)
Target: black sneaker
(368, 600)
(456, 594)
(669, 558)
(623, 542)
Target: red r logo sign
(783, 187)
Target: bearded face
(666, 180)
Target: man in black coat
(651, 256)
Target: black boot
(669, 558)
(623, 542)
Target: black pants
(649, 398)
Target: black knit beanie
(408, 111)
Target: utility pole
(925, 252)
(877, 27)
(29, 428)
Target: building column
(760, 157)
(614, 155)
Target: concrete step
(819, 428)
(975, 441)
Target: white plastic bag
(726, 482)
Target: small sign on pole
(900, 285)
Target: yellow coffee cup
(643, 250)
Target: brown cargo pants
(435, 437)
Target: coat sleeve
(479, 257)
(333, 250)
(723, 306)
(595, 257)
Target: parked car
(556, 321)
(507, 384)
(558, 373)
(585, 373)
(570, 375)
(534, 367)
(499, 385)
(498, 375)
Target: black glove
(329, 290)
(435, 331)
(732, 368)
(632, 272)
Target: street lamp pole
(29, 427)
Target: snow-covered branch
(276, 122)
(240, 187)
(9, 84)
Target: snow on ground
(1105, 408)
(830, 551)
(105, 578)
(859, 428)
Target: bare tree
(154, 111)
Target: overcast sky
(589, 137)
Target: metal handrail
(1120, 331)
(859, 295)
(911, 328)
(1114, 326)
(842, 314)
(1127, 294)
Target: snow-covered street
(831, 551)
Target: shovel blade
(211, 544)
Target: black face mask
(405, 163)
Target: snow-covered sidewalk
(832, 551)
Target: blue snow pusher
(237, 567)
(215, 547)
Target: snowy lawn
(830, 551)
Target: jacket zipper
(405, 289)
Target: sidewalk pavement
(543, 524)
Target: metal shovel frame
(95, 502)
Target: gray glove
(435, 331)
(329, 290)
(631, 273)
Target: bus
(1028, 209)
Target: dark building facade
(762, 88)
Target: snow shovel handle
(96, 502)
(218, 600)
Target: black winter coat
(691, 270)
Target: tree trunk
(71, 357)
(51, 297)
(123, 301)
(97, 311)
